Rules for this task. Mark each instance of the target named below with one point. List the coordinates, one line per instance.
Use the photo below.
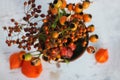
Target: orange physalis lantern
(101, 55)
(30, 70)
(15, 61)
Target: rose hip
(66, 52)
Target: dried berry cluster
(25, 34)
(62, 32)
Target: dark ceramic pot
(78, 52)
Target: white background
(106, 18)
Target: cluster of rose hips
(63, 27)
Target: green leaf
(42, 37)
(54, 25)
(64, 12)
(67, 61)
(60, 13)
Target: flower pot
(77, 53)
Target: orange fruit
(62, 20)
(70, 6)
(91, 28)
(94, 38)
(78, 8)
(54, 11)
(87, 17)
(31, 71)
(64, 4)
(55, 35)
(86, 4)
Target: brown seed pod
(35, 61)
(91, 49)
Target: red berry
(5, 28)
(12, 20)
(54, 52)
(63, 51)
(69, 53)
(25, 3)
(33, 5)
(66, 52)
(39, 6)
(42, 15)
(72, 46)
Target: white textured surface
(106, 17)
